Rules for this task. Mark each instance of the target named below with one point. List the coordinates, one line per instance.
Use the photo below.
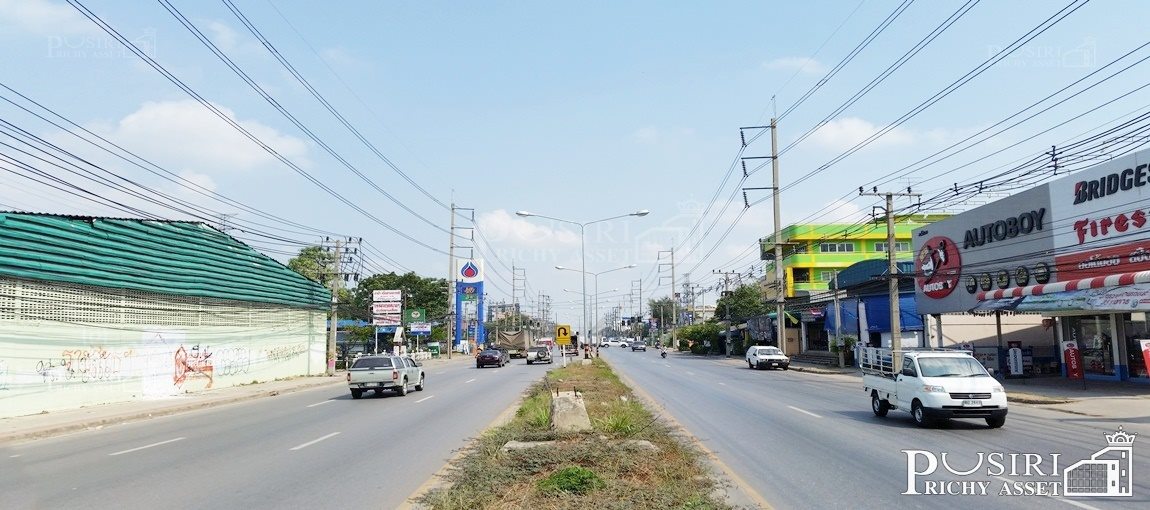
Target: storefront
(1075, 250)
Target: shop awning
(1115, 293)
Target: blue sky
(580, 111)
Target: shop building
(1075, 250)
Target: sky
(574, 111)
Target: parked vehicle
(538, 355)
(766, 356)
(638, 346)
(492, 357)
(932, 384)
(381, 372)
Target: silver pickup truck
(384, 372)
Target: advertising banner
(420, 328)
(386, 307)
(1145, 344)
(388, 319)
(386, 295)
(1073, 360)
(1014, 361)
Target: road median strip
(630, 458)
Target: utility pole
(451, 285)
(637, 288)
(892, 271)
(674, 302)
(335, 278)
(780, 282)
(727, 305)
(838, 323)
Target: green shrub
(573, 479)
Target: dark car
(492, 357)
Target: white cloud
(501, 227)
(844, 133)
(646, 135)
(185, 135)
(803, 64)
(222, 35)
(45, 18)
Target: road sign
(563, 334)
(386, 307)
(386, 295)
(414, 315)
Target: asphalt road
(803, 440)
(309, 449)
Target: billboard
(998, 245)
(1101, 218)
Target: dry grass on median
(589, 470)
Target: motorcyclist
(662, 351)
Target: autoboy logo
(1106, 473)
(938, 265)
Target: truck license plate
(971, 403)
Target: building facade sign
(1001, 244)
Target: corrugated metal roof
(181, 258)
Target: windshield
(372, 363)
(951, 367)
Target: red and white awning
(1097, 282)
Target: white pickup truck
(383, 372)
(935, 384)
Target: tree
(418, 292)
(662, 310)
(313, 263)
(745, 302)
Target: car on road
(933, 385)
(538, 355)
(381, 373)
(766, 356)
(638, 346)
(490, 357)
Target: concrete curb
(1027, 398)
(143, 414)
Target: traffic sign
(563, 334)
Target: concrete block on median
(569, 413)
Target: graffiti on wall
(84, 365)
(95, 364)
(232, 360)
(285, 352)
(196, 363)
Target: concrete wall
(980, 330)
(58, 351)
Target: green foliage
(536, 411)
(573, 479)
(684, 345)
(704, 331)
(360, 334)
(418, 292)
(314, 263)
(744, 302)
(623, 419)
(663, 310)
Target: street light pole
(583, 246)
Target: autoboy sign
(992, 246)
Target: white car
(614, 343)
(765, 356)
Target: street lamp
(583, 244)
(596, 275)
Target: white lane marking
(690, 372)
(469, 380)
(14, 456)
(722, 384)
(319, 403)
(804, 411)
(1059, 498)
(147, 446)
(667, 364)
(309, 443)
(424, 398)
